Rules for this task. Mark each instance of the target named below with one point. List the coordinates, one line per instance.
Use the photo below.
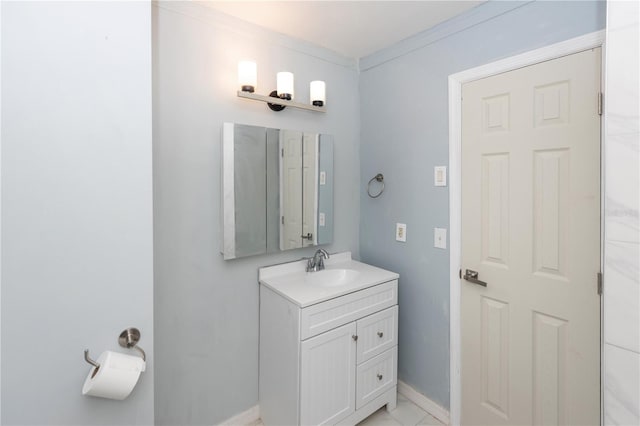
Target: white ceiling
(352, 28)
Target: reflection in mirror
(277, 190)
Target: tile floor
(405, 414)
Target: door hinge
(282, 220)
(600, 283)
(282, 152)
(600, 103)
(460, 273)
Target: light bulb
(285, 85)
(318, 94)
(247, 76)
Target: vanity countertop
(290, 280)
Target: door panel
(495, 350)
(550, 204)
(549, 369)
(531, 229)
(495, 209)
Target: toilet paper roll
(115, 378)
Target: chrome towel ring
(377, 178)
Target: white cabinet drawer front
(376, 376)
(333, 313)
(377, 333)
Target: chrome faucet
(316, 263)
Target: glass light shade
(318, 94)
(285, 85)
(247, 75)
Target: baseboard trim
(253, 414)
(423, 402)
(245, 418)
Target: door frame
(554, 51)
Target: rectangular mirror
(277, 190)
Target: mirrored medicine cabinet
(277, 190)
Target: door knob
(380, 334)
(472, 277)
(355, 338)
(379, 376)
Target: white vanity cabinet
(330, 362)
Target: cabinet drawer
(377, 333)
(376, 376)
(333, 313)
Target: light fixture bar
(278, 101)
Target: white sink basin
(331, 277)
(342, 275)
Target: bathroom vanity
(328, 342)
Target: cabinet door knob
(355, 337)
(379, 376)
(380, 334)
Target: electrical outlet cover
(440, 238)
(401, 232)
(440, 176)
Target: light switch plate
(321, 219)
(440, 238)
(323, 178)
(440, 176)
(401, 232)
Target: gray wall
(404, 134)
(76, 205)
(206, 309)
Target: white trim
(228, 206)
(245, 418)
(574, 45)
(423, 402)
(479, 14)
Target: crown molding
(475, 16)
(207, 15)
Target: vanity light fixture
(283, 96)
(284, 85)
(317, 93)
(284, 80)
(247, 76)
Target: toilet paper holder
(129, 338)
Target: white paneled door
(309, 188)
(531, 231)
(291, 189)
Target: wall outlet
(321, 219)
(440, 238)
(401, 232)
(440, 176)
(323, 178)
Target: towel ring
(377, 178)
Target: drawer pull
(379, 376)
(380, 334)
(355, 338)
